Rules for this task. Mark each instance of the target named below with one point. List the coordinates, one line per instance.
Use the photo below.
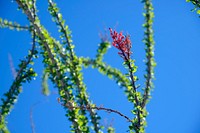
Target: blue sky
(174, 107)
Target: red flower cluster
(122, 43)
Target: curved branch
(11, 96)
(105, 69)
(98, 108)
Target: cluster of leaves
(64, 68)
(196, 4)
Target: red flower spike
(122, 43)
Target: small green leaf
(198, 11)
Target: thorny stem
(51, 56)
(92, 113)
(17, 78)
(136, 98)
(137, 103)
(124, 45)
(18, 75)
(99, 108)
(66, 36)
(149, 50)
(38, 30)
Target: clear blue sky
(175, 106)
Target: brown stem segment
(98, 108)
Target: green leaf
(198, 11)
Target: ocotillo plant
(63, 67)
